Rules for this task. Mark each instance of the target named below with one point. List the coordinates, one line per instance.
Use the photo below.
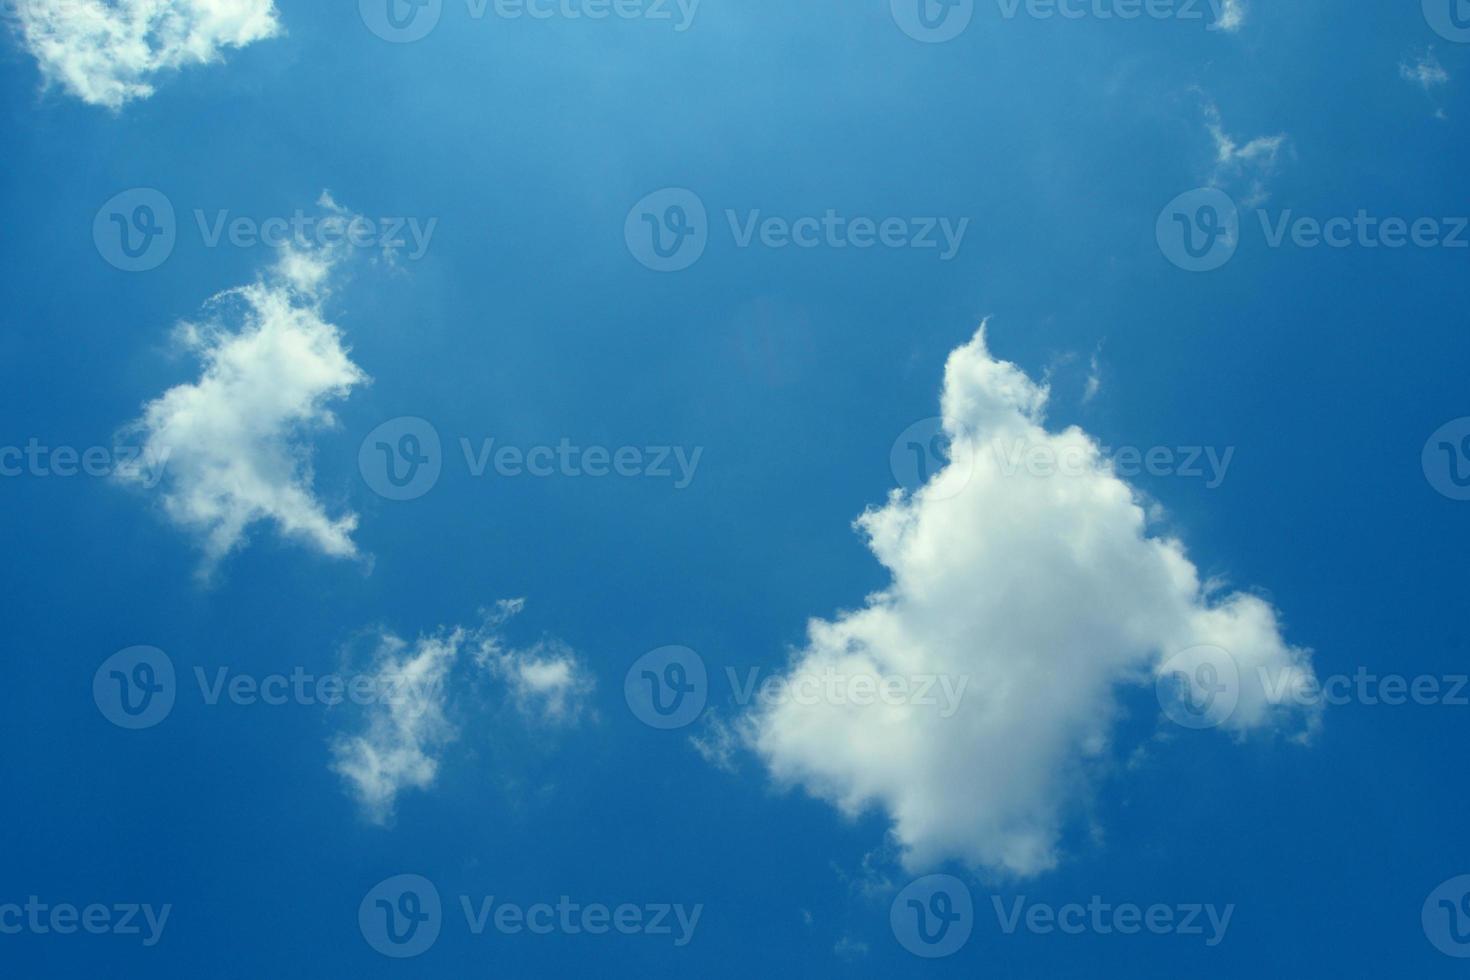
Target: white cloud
(1093, 386)
(718, 743)
(234, 439)
(1251, 162)
(1425, 71)
(1230, 15)
(546, 681)
(1050, 594)
(408, 728)
(106, 52)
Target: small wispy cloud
(1251, 163)
(407, 730)
(1093, 385)
(1425, 71)
(717, 744)
(1230, 15)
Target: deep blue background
(529, 321)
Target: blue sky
(763, 398)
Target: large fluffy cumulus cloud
(106, 52)
(1049, 591)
